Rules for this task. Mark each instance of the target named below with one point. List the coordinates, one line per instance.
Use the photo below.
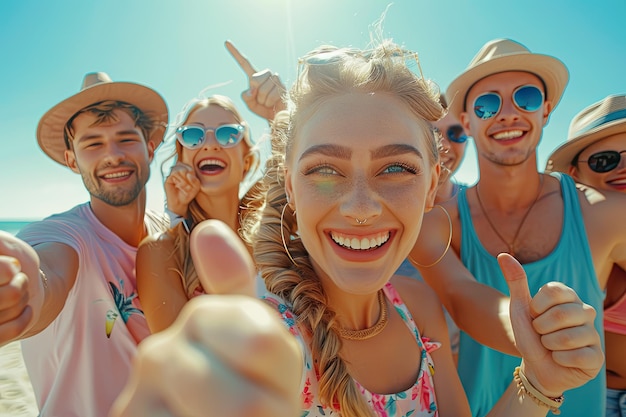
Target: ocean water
(13, 226)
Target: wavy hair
(195, 213)
(325, 73)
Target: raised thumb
(221, 259)
(526, 338)
(516, 280)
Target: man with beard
(67, 283)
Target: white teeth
(362, 243)
(509, 134)
(217, 162)
(117, 175)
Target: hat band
(619, 114)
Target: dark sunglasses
(456, 134)
(227, 136)
(604, 161)
(528, 98)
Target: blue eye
(399, 168)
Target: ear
(547, 111)
(70, 160)
(289, 189)
(432, 190)
(465, 122)
(151, 148)
(248, 161)
(573, 172)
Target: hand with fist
(554, 333)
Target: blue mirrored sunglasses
(528, 98)
(456, 134)
(227, 136)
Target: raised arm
(479, 310)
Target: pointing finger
(241, 60)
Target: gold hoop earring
(447, 245)
(282, 235)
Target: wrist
(526, 388)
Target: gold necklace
(365, 334)
(519, 228)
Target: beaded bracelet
(525, 387)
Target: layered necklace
(365, 334)
(511, 245)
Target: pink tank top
(615, 314)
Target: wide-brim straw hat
(598, 121)
(504, 55)
(97, 87)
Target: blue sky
(177, 48)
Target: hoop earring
(282, 235)
(447, 245)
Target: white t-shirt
(79, 364)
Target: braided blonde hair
(327, 72)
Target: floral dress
(419, 400)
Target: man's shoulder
(72, 218)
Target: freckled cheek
(321, 192)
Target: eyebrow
(343, 152)
(392, 150)
(120, 133)
(335, 151)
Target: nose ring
(360, 222)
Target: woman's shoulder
(411, 289)
(420, 299)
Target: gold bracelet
(525, 387)
(43, 278)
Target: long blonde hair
(195, 213)
(325, 73)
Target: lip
(509, 136)
(116, 176)
(618, 184)
(358, 255)
(218, 163)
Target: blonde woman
(335, 225)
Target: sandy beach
(16, 393)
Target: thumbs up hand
(227, 354)
(554, 332)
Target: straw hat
(598, 121)
(98, 87)
(503, 55)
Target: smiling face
(360, 156)
(612, 180)
(512, 135)
(219, 169)
(112, 157)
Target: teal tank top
(486, 373)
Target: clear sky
(177, 48)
